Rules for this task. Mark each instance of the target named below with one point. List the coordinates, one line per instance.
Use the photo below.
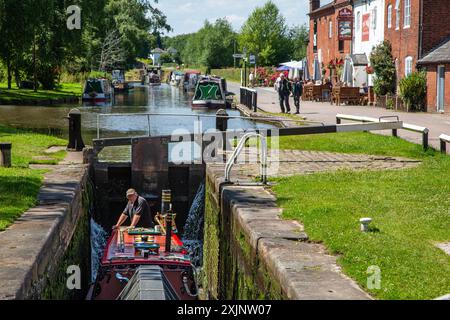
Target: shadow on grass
(18, 192)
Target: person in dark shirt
(137, 210)
(284, 91)
(297, 91)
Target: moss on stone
(77, 253)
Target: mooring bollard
(222, 120)
(75, 139)
(5, 155)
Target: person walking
(251, 79)
(297, 91)
(284, 91)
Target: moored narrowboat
(211, 93)
(97, 90)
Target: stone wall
(37, 249)
(251, 253)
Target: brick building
(437, 65)
(414, 28)
(330, 31)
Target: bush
(384, 66)
(413, 90)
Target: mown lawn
(410, 210)
(20, 185)
(65, 90)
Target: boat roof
(193, 72)
(113, 255)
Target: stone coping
(304, 270)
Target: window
(408, 66)
(407, 18)
(397, 14)
(315, 37)
(341, 45)
(330, 29)
(358, 21)
(374, 18)
(389, 16)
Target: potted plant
(370, 70)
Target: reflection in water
(140, 99)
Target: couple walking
(284, 88)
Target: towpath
(324, 112)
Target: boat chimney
(169, 217)
(166, 210)
(166, 199)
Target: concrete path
(283, 163)
(324, 112)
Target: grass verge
(20, 185)
(65, 90)
(410, 210)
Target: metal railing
(406, 126)
(263, 157)
(198, 117)
(249, 98)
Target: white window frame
(330, 29)
(389, 16)
(358, 21)
(374, 18)
(408, 65)
(397, 15)
(407, 13)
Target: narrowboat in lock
(146, 264)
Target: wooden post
(75, 139)
(425, 140)
(5, 155)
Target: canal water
(164, 99)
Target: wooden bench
(349, 95)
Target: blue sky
(188, 16)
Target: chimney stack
(313, 5)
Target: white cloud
(188, 16)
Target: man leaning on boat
(137, 210)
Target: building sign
(346, 13)
(345, 24)
(345, 30)
(365, 32)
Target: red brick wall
(329, 46)
(432, 88)
(436, 26)
(405, 41)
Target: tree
(15, 34)
(265, 34)
(138, 23)
(211, 46)
(413, 90)
(112, 54)
(384, 66)
(218, 45)
(298, 38)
